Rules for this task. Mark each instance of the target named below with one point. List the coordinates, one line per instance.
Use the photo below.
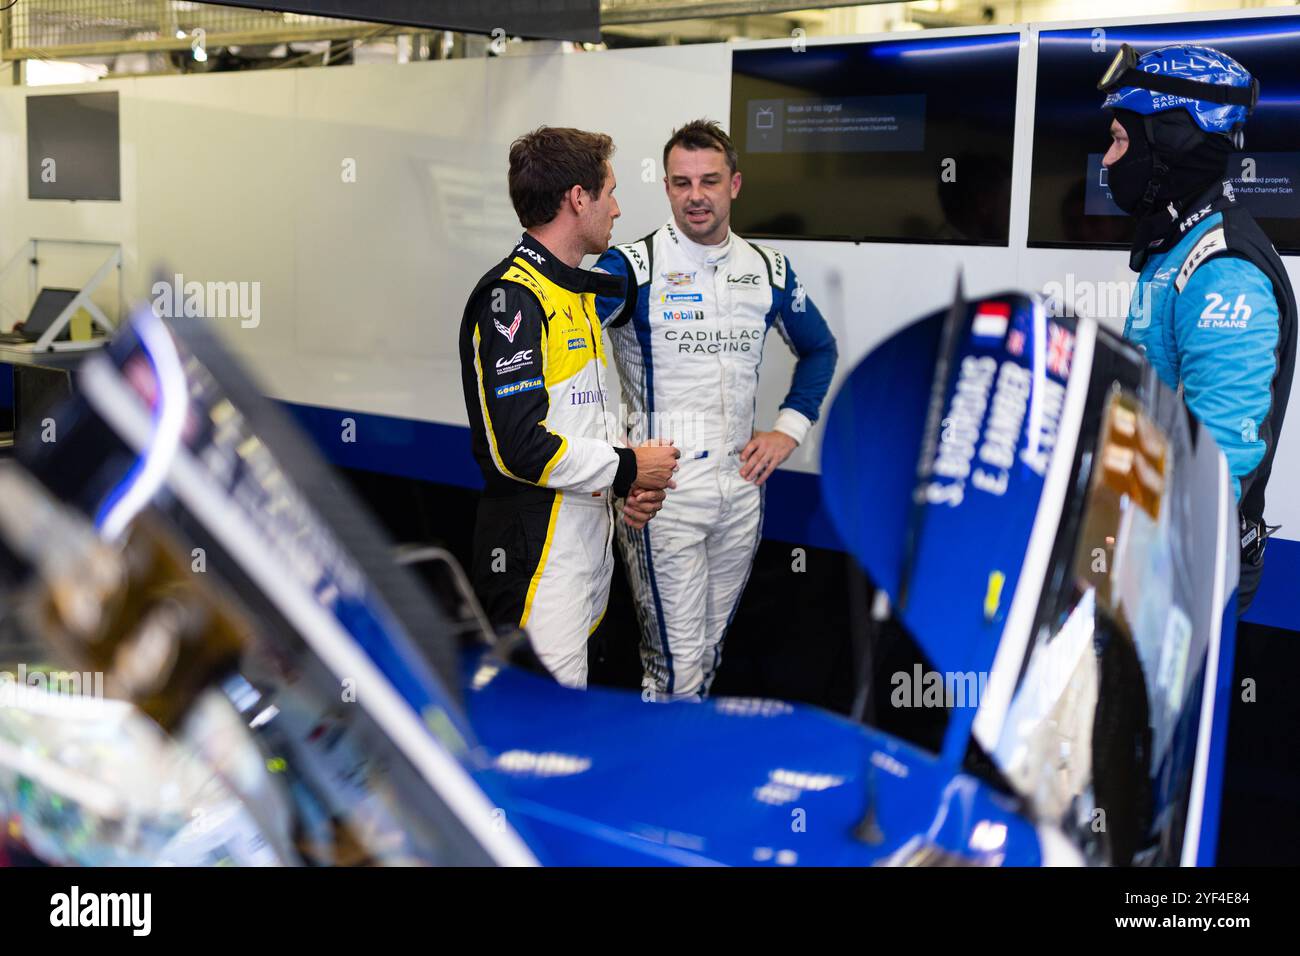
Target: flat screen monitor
(1070, 201)
(893, 141)
(73, 147)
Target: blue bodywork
(598, 777)
(602, 777)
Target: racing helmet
(1217, 91)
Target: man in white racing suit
(688, 338)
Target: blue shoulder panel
(805, 330)
(607, 306)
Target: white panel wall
(239, 177)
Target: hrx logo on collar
(539, 259)
(1193, 219)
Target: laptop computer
(49, 305)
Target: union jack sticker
(1016, 342)
(1060, 350)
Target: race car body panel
(603, 777)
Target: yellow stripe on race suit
(555, 460)
(541, 563)
(487, 419)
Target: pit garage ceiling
(553, 19)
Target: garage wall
(241, 177)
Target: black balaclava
(1169, 160)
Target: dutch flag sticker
(991, 320)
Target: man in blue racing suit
(1214, 310)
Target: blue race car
(1050, 525)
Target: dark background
(1069, 122)
(79, 131)
(969, 86)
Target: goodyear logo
(514, 388)
(577, 343)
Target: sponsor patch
(1210, 244)
(518, 361)
(682, 297)
(514, 388)
(679, 278)
(509, 331)
(683, 315)
(577, 343)
(750, 278)
(1221, 313)
(636, 253)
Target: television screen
(73, 147)
(896, 141)
(1070, 203)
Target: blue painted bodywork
(599, 777)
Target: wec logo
(516, 362)
(517, 359)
